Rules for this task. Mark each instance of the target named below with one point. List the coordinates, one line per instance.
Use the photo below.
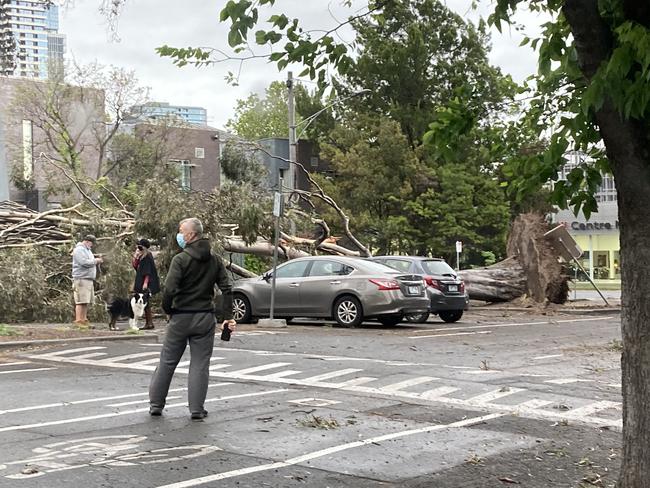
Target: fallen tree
(532, 268)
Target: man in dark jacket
(188, 298)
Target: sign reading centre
(592, 225)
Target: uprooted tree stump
(532, 269)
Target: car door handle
(294, 285)
(336, 282)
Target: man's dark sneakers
(155, 411)
(199, 415)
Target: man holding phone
(188, 298)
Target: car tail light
(461, 288)
(385, 284)
(433, 283)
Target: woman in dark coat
(146, 277)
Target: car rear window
(375, 267)
(437, 268)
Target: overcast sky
(147, 24)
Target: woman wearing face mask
(146, 277)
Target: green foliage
(256, 264)
(6, 331)
(489, 258)
(259, 118)
(577, 93)
(241, 166)
(415, 55)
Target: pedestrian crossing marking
(486, 401)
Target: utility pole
(292, 132)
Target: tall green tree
(414, 55)
(262, 117)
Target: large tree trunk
(628, 149)
(532, 270)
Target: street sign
(277, 204)
(459, 246)
(563, 243)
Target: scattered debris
(594, 479)
(614, 346)
(509, 481)
(561, 423)
(30, 470)
(561, 406)
(474, 459)
(503, 389)
(484, 365)
(317, 422)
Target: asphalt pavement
(496, 399)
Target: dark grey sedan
(349, 290)
(445, 290)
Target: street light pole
(292, 132)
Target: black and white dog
(123, 308)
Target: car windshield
(438, 268)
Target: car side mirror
(266, 276)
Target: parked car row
(350, 290)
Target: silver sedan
(346, 289)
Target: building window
(184, 173)
(28, 160)
(314, 161)
(199, 152)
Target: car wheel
(390, 320)
(348, 311)
(450, 316)
(417, 318)
(241, 309)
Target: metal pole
(292, 132)
(275, 265)
(276, 242)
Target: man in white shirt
(84, 272)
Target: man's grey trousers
(197, 329)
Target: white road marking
(329, 451)
(331, 374)
(567, 381)
(490, 396)
(130, 412)
(281, 374)
(215, 367)
(588, 410)
(549, 356)
(407, 383)
(137, 402)
(17, 363)
(354, 382)
(118, 359)
(25, 370)
(452, 334)
(255, 369)
(483, 371)
(437, 393)
(314, 402)
(535, 403)
(90, 355)
(71, 351)
(615, 385)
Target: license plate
(414, 290)
(453, 287)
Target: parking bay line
(452, 334)
(330, 450)
(25, 370)
(94, 400)
(516, 324)
(130, 412)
